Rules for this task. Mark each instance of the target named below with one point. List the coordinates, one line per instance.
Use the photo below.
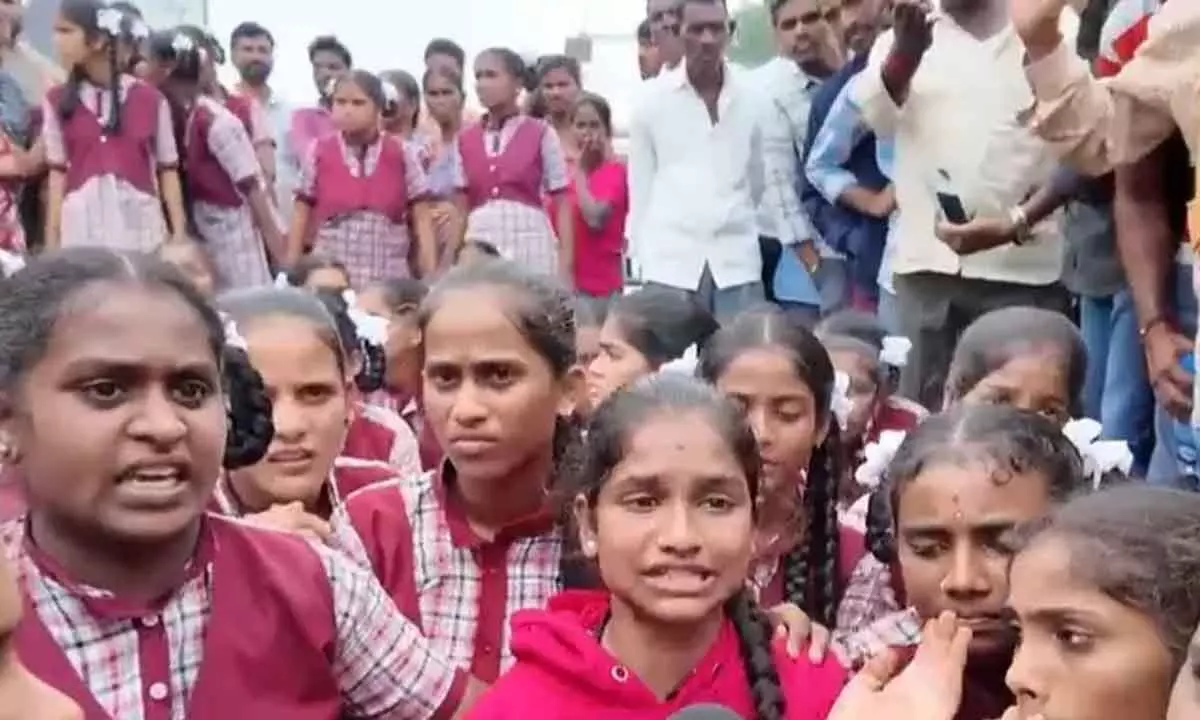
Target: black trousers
(934, 310)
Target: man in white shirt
(252, 50)
(695, 172)
(950, 88)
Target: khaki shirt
(1096, 125)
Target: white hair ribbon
(233, 338)
(281, 281)
(181, 43)
(391, 93)
(684, 364)
(876, 457)
(109, 20)
(840, 404)
(139, 30)
(10, 263)
(1099, 456)
(895, 351)
(369, 328)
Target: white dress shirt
(695, 185)
(961, 118)
(786, 93)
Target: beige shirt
(1097, 124)
(959, 132)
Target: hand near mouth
(292, 518)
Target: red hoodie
(563, 672)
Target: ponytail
(251, 425)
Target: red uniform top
(563, 671)
(348, 476)
(514, 174)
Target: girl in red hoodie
(665, 511)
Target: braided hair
(810, 571)
(33, 299)
(609, 433)
(98, 21)
(368, 356)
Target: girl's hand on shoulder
(793, 624)
(929, 688)
(292, 518)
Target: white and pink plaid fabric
(385, 668)
(448, 576)
(106, 211)
(371, 246)
(231, 238)
(522, 234)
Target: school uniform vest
(368, 440)
(240, 107)
(127, 154)
(514, 174)
(206, 178)
(350, 474)
(339, 191)
(269, 644)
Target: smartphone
(952, 208)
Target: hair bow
(685, 364)
(10, 263)
(369, 328)
(109, 20)
(281, 281)
(233, 338)
(876, 458)
(181, 43)
(139, 30)
(391, 93)
(1099, 456)
(839, 399)
(895, 351)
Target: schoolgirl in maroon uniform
(293, 341)
(229, 205)
(138, 603)
(504, 164)
(359, 189)
(376, 433)
(783, 378)
(109, 141)
(942, 522)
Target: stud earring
(589, 547)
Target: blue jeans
(1116, 390)
(1165, 467)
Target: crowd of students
(427, 473)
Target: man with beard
(786, 85)
(252, 50)
(696, 175)
(975, 233)
(846, 192)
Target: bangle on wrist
(1019, 219)
(1147, 327)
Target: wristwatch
(1020, 223)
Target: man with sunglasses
(696, 174)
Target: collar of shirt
(461, 532)
(104, 604)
